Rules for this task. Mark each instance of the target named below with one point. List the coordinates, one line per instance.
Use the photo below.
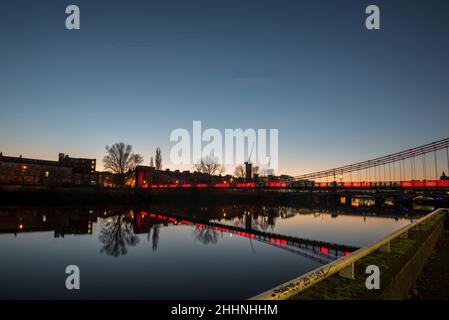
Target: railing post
(385, 248)
(347, 272)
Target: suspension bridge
(423, 167)
(409, 165)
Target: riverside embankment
(400, 258)
(94, 195)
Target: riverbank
(433, 283)
(399, 269)
(41, 195)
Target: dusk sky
(136, 70)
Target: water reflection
(120, 228)
(116, 234)
(62, 221)
(153, 235)
(206, 234)
(189, 248)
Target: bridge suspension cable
(388, 160)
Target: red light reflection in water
(324, 250)
(249, 235)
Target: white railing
(344, 265)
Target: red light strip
(366, 184)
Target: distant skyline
(137, 70)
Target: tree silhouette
(121, 160)
(256, 169)
(116, 234)
(239, 171)
(158, 159)
(209, 165)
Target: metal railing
(344, 265)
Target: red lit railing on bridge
(425, 184)
(276, 184)
(246, 185)
(222, 185)
(398, 184)
(319, 185)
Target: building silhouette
(27, 171)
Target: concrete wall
(399, 286)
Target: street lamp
(23, 170)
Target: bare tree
(151, 162)
(210, 166)
(158, 159)
(121, 160)
(239, 171)
(256, 170)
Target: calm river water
(171, 252)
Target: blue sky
(136, 70)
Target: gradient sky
(136, 70)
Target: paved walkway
(433, 282)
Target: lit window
(47, 174)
